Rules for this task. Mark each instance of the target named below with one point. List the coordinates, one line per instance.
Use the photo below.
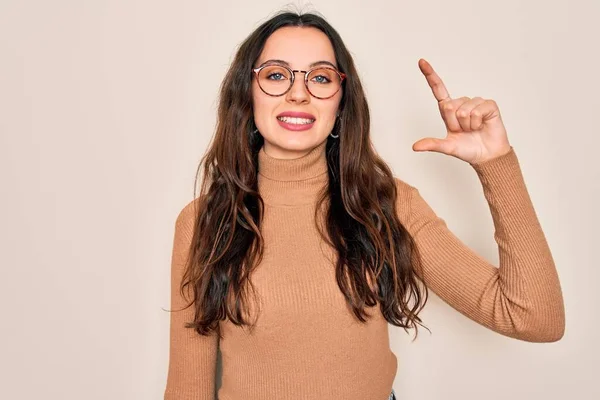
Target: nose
(298, 92)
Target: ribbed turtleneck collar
(295, 181)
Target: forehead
(299, 46)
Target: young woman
(302, 246)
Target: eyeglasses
(321, 82)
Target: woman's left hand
(475, 131)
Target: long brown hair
(377, 258)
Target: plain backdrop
(106, 107)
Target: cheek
(256, 99)
(328, 114)
(329, 123)
(261, 104)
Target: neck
(295, 181)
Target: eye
(321, 79)
(322, 76)
(276, 76)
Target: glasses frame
(293, 75)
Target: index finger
(435, 82)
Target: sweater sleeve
(522, 297)
(192, 357)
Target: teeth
(297, 121)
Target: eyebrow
(310, 66)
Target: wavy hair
(377, 259)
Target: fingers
(488, 109)
(434, 144)
(435, 82)
(469, 116)
(449, 109)
(460, 115)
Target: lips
(296, 114)
(295, 120)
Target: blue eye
(321, 79)
(276, 76)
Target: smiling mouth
(296, 121)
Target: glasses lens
(274, 79)
(324, 82)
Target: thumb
(432, 144)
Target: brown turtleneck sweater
(307, 345)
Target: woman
(302, 246)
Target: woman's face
(299, 47)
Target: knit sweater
(307, 344)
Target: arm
(192, 358)
(522, 298)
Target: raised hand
(475, 131)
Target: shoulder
(187, 215)
(404, 195)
